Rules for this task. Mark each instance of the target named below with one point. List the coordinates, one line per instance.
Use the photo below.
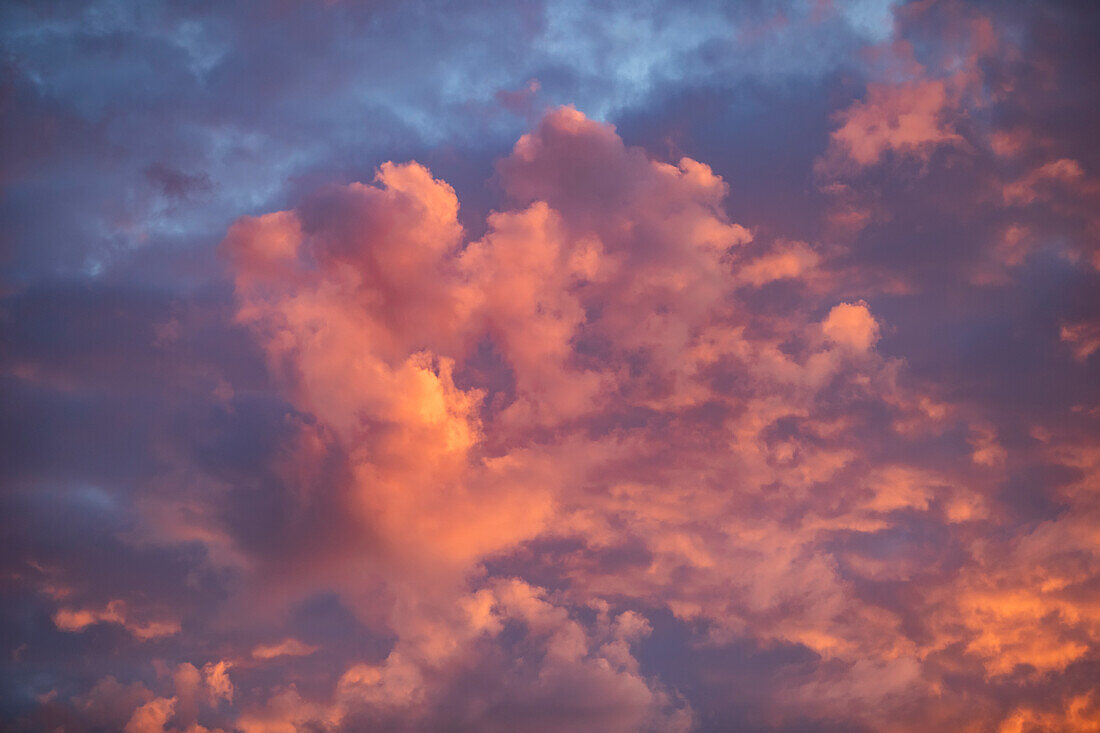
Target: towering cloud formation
(587, 392)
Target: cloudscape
(549, 366)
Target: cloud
(611, 286)
(760, 394)
(788, 261)
(852, 326)
(907, 118)
(286, 647)
(1083, 337)
(1035, 185)
(69, 619)
(1078, 714)
(151, 717)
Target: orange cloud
(285, 648)
(907, 118)
(851, 326)
(1083, 338)
(588, 373)
(1038, 184)
(151, 717)
(789, 260)
(115, 612)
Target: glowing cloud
(759, 395)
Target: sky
(549, 365)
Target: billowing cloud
(587, 374)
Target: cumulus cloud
(907, 118)
(630, 401)
(151, 717)
(852, 326)
(786, 261)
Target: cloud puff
(907, 118)
(851, 325)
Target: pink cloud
(287, 647)
(115, 612)
(852, 326)
(611, 285)
(1036, 184)
(613, 440)
(906, 118)
(1083, 338)
(151, 717)
(787, 261)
